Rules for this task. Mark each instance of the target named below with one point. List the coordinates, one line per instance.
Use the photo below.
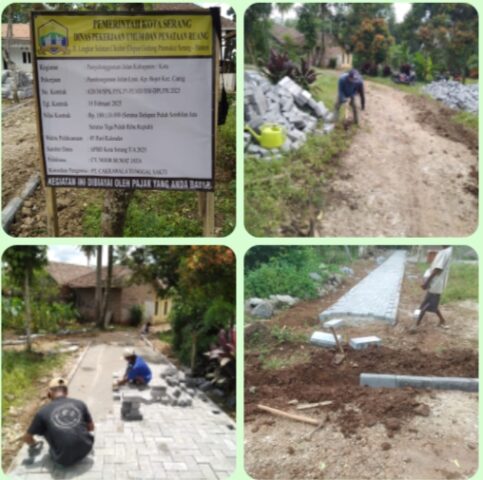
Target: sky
(72, 254)
(400, 8)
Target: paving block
(360, 343)
(324, 339)
(334, 323)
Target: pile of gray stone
(168, 387)
(454, 94)
(285, 104)
(266, 307)
(24, 84)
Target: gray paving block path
(375, 297)
(171, 442)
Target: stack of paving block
(285, 104)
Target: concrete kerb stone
(376, 380)
(15, 204)
(334, 323)
(359, 343)
(324, 339)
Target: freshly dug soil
(319, 380)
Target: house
(20, 48)
(334, 55)
(78, 285)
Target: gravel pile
(286, 104)
(454, 94)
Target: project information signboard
(126, 100)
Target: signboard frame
(205, 195)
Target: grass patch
(413, 89)
(175, 214)
(462, 283)
(293, 186)
(278, 363)
(20, 374)
(283, 335)
(467, 119)
(166, 337)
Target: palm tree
(283, 8)
(22, 261)
(89, 251)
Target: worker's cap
(129, 352)
(354, 75)
(57, 382)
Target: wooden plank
(52, 217)
(291, 416)
(306, 406)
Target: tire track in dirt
(401, 176)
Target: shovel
(339, 357)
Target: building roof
(120, 277)
(281, 32)
(63, 273)
(21, 31)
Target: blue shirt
(139, 369)
(347, 88)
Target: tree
(107, 289)
(257, 26)
(22, 261)
(89, 251)
(201, 281)
(98, 293)
(283, 8)
(372, 41)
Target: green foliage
(136, 314)
(423, 66)
(285, 335)
(462, 283)
(20, 374)
(372, 41)
(201, 282)
(23, 260)
(257, 26)
(271, 270)
(399, 54)
(468, 119)
(279, 278)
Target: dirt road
(410, 171)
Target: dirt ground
(367, 433)
(409, 172)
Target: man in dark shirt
(350, 84)
(65, 423)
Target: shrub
(135, 315)
(405, 68)
(278, 66)
(370, 69)
(283, 278)
(386, 71)
(305, 75)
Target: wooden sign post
(127, 101)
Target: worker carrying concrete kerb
(435, 280)
(137, 371)
(350, 84)
(66, 425)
